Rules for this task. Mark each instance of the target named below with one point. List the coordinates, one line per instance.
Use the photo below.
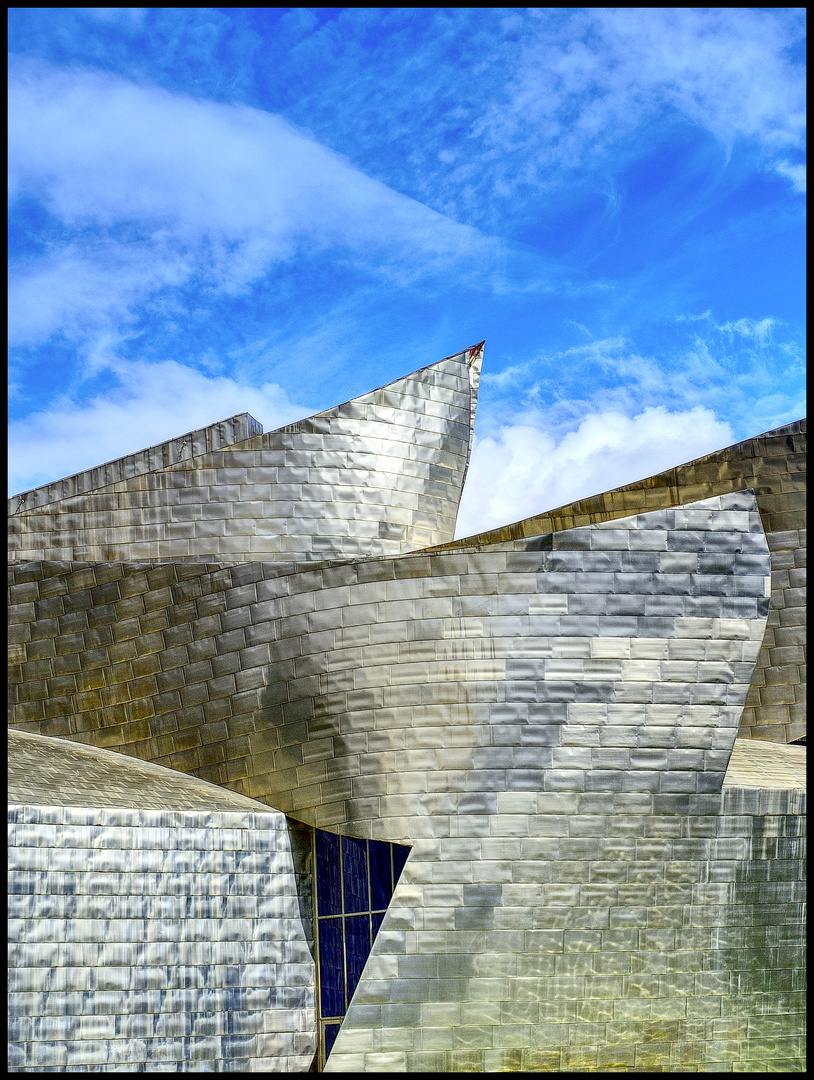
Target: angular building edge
(154, 920)
(380, 474)
(773, 465)
(548, 721)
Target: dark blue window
(354, 874)
(357, 948)
(331, 968)
(329, 895)
(354, 884)
(381, 877)
(400, 853)
(331, 1031)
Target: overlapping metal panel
(381, 474)
(546, 716)
(154, 921)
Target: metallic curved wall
(593, 932)
(546, 719)
(381, 474)
(223, 672)
(773, 465)
(154, 922)
(547, 723)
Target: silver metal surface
(773, 465)
(547, 720)
(145, 935)
(381, 474)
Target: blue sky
(274, 210)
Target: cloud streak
(499, 107)
(146, 189)
(324, 199)
(751, 370)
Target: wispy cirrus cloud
(751, 370)
(146, 189)
(467, 109)
(498, 109)
(795, 173)
(325, 198)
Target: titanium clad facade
(226, 673)
(569, 931)
(773, 465)
(381, 474)
(162, 934)
(541, 718)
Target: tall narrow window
(355, 880)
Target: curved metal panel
(381, 474)
(158, 930)
(774, 466)
(545, 719)
(229, 674)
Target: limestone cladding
(144, 937)
(381, 474)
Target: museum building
(297, 782)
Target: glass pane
(376, 920)
(329, 899)
(357, 948)
(400, 853)
(381, 888)
(331, 967)
(331, 1031)
(354, 873)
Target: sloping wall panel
(545, 714)
(773, 465)
(144, 937)
(381, 474)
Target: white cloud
(585, 86)
(153, 402)
(759, 329)
(155, 187)
(522, 470)
(507, 377)
(751, 370)
(795, 173)
(79, 288)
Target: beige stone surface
(754, 764)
